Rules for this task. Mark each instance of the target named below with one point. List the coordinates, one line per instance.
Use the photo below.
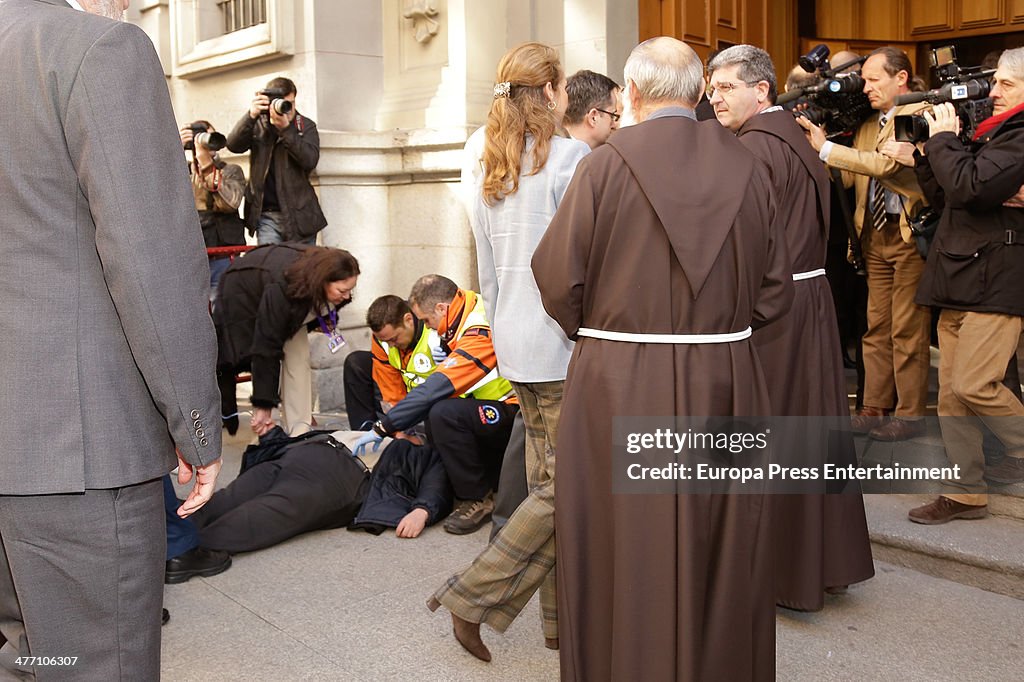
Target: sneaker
(470, 515)
(944, 510)
(1009, 470)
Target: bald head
(845, 57)
(663, 72)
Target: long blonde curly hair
(527, 68)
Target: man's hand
(900, 152)
(366, 439)
(262, 420)
(281, 121)
(942, 119)
(415, 440)
(186, 136)
(1017, 200)
(412, 524)
(260, 103)
(202, 490)
(815, 135)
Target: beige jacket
(863, 161)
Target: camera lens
(281, 106)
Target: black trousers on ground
(362, 397)
(512, 488)
(471, 436)
(307, 489)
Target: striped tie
(878, 196)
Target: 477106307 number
(46, 660)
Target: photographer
(218, 188)
(895, 345)
(975, 273)
(280, 204)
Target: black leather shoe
(196, 562)
(164, 617)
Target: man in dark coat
(975, 273)
(821, 541)
(669, 230)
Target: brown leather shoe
(466, 632)
(898, 429)
(551, 643)
(944, 510)
(867, 418)
(1009, 470)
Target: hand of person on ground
(369, 437)
(815, 134)
(942, 119)
(202, 489)
(412, 524)
(900, 152)
(262, 420)
(415, 440)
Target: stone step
(985, 553)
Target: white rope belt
(797, 276)
(664, 338)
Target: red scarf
(993, 122)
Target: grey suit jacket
(107, 352)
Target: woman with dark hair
(265, 301)
(525, 169)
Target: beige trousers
(296, 387)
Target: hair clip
(502, 89)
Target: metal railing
(239, 14)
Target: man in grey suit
(106, 349)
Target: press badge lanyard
(334, 338)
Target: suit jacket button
(204, 442)
(198, 424)
(200, 433)
(195, 414)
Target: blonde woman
(526, 167)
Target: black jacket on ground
(294, 151)
(976, 262)
(406, 477)
(254, 317)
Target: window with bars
(239, 14)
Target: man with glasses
(595, 106)
(824, 536)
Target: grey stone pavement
(338, 605)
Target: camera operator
(280, 203)
(895, 346)
(975, 273)
(218, 188)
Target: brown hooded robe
(668, 228)
(819, 540)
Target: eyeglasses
(615, 117)
(725, 88)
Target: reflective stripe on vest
(492, 386)
(421, 362)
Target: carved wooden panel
(880, 20)
(931, 16)
(982, 13)
(836, 18)
(650, 19)
(1016, 11)
(727, 13)
(696, 21)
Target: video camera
(968, 88)
(212, 141)
(278, 103)
(837, 102)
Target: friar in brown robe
(669, 228)
(820, 541)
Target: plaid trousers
(521, 557)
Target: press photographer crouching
(218, 188)
(975, 273)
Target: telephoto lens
(212, 141)
(281, 106)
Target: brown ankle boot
(466, 632)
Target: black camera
(212, 141)
(278, 103)
(968, 88)
(837, 102)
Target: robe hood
(694, 175)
